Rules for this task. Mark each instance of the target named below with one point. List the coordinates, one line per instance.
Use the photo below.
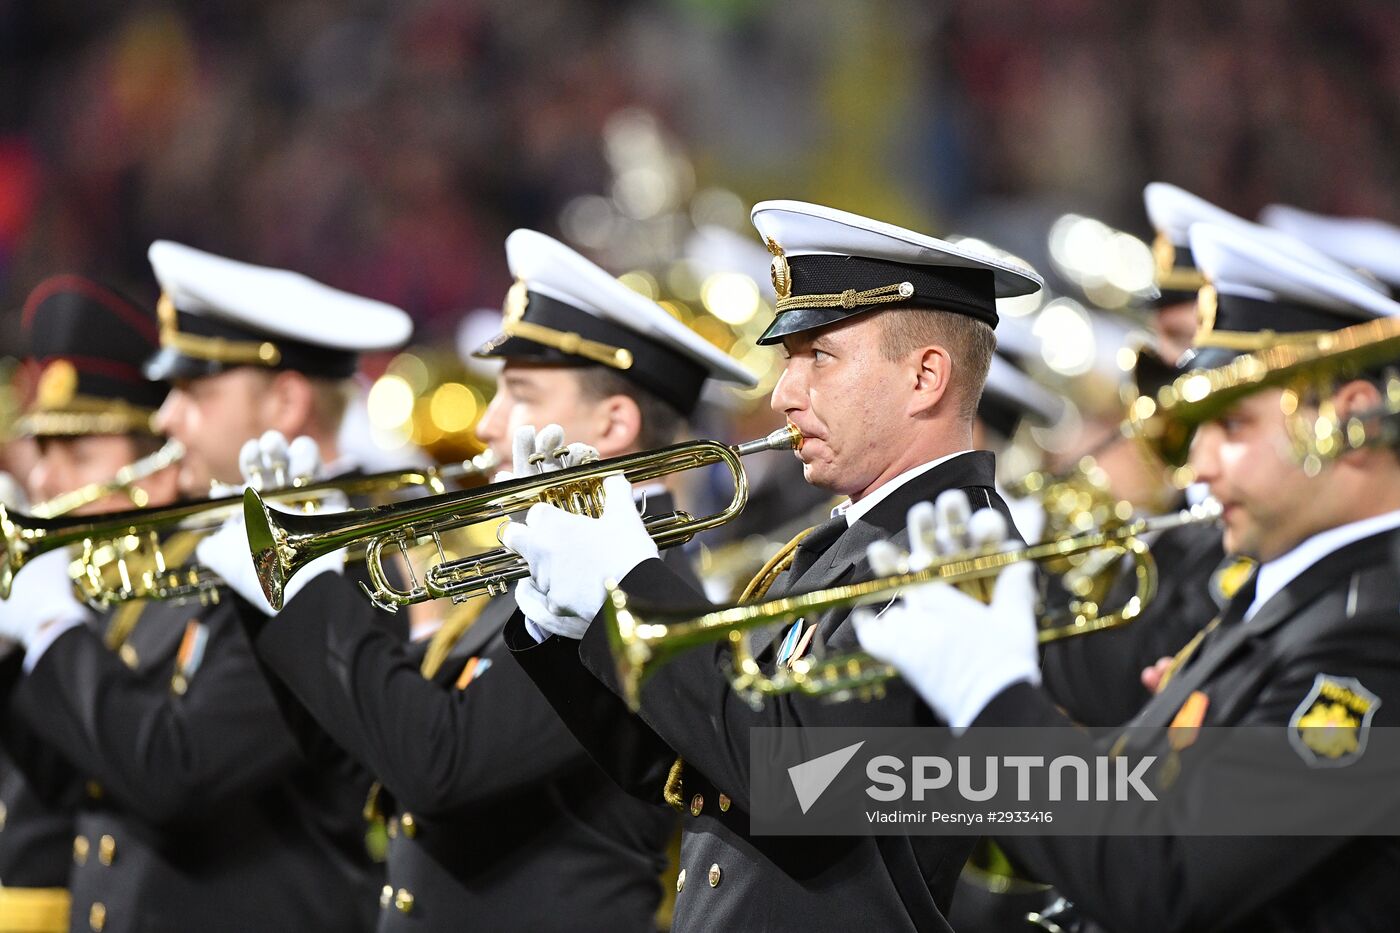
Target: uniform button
(4, 815)
(386, 896)
(697, 803)
(106, 850)
(94, 790)
(409, 824)
(403, 900)
(80, 850)
(714, 875)
(393, 827)
(129, 656)
(680, 881)
(724, 803)
(97, 917)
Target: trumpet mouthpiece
(788, 437)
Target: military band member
(1102, 681)
(887, 336)
(1314, 626)
(203, 810)
(91, 416)
(497, 818)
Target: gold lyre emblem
(57, 385)
(780, 272)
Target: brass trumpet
(123, 481)
(1166, 420)
(120, 556)
(642, 639)
(282, 544)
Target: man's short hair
(661, 422)
(969, 341)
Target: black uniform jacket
(732, 879)
(500, 820)
(1340, 618)
(200, 810)
(36, 830)
(1096, 678)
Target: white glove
(543, 452)
(269, 462)
(272, 461)
(41, 605)
(572, 557)
(542, 617)
(955, 651)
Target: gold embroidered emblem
(1329, 728)
(57, 385)
(780, 271)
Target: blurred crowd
(387, 148)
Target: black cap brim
(168, 364)
(796, 321)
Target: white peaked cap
(1357, 242)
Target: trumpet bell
(264, 542)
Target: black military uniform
(730, 878)
(496, 816)
(203, 809)
(1263, 662)
(87, 343)
(1098, 680)
(1338, 619)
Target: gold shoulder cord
(768, 574)
(757, 588)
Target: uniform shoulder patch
(1329, 728)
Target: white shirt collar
(855, 511)
(1281, 571)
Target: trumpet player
(202, 808)
(497, 819)
(887, 336)
(91, 416)
(1102, 681)
(1309, 638)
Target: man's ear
(932, 370)
(1357, 397)
(620, 425)
(288, 404)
